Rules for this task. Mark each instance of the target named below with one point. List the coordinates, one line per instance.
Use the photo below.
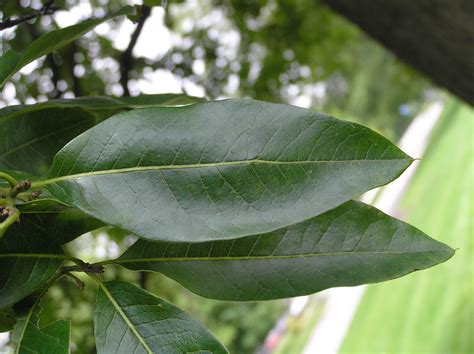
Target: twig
(76, 84)
(48, 9)
(126, 59)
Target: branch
(76, 84)
(48, 9)
(126, 59)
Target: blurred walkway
(430, 311)
(342, 303)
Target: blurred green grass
(430, 311)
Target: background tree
(291, 51)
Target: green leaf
(30, 337)
(48, 219)
(33, 134)
(31, 139)
(61, 227)
(12, 62)
(128, 319)
(7, 319)
(8, 63)
(101, 106)
(219, 170)
(351, 245)
(27, 259)
(152, 2)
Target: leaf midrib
(125, 318)
(250, 258)
(27, 322)
(42, 183)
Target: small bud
(93, 269)
(35, 194)
(80, 284)
(24, 185)
(6, 211)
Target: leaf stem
(79, 283)
(12, 181)
(85, 267)
(106, 262)
(12, 218)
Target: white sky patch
(75, 14)
(193, 89)
(199, 67)
(28, 69)
(233, 83)
(159, 81)
(9, 92)
(302, 101)
(154, 40)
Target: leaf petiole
(13, 216)
(79, 283)
(12, 181)
(84, 267)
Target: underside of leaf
(129, 320)
(351, 245)
(219, 170)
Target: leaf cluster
(236, 200)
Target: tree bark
(436, 37)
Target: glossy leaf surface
(219, 170)
(31, 337)
(12, 62)
(128, 319)
(351, 245)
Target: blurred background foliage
(293, 51)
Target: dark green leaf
(30, 140)
(7, 319)
(128, 319)
(27, 259)
(103, 105)
(8, 63)
(351, 245)
(60, 227)
(30, 337)
(12, 62)
(48, 219)
(219, 170)
(33, 134)
(153, 2)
